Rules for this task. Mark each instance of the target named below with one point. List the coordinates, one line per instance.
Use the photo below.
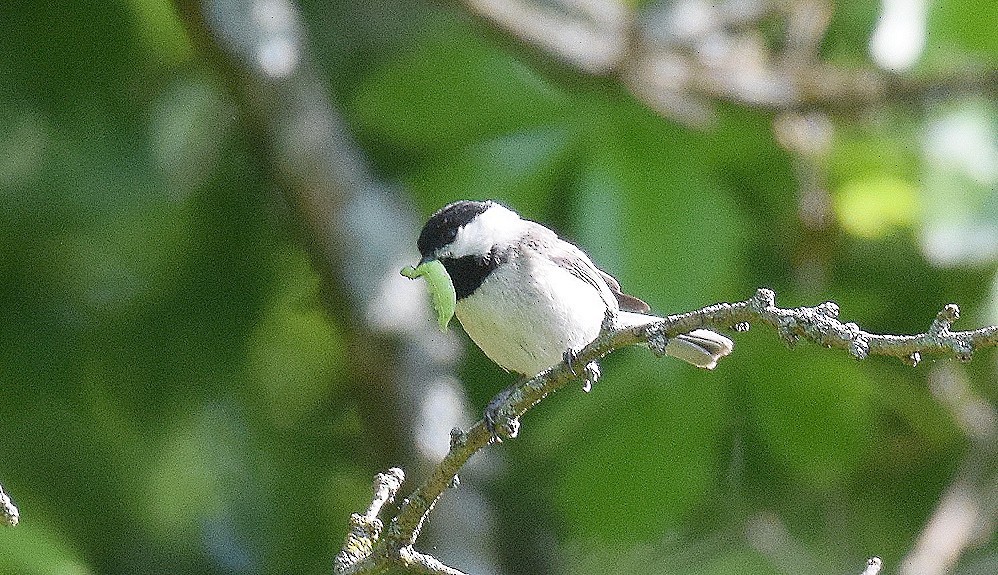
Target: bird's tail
(700, 347)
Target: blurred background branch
(682, 58)
(964, 518)
(404, 368)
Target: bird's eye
(435, 236)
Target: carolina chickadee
(527, 297)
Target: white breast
(529, 311)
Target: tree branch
(365, 529)
(819, 324)
(873, 565)
(8, 511)
(678, 65)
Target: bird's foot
(570, 357)
(501, 425)
(590, 373)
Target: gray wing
(626, 302)
(569, 257)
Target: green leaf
(451, 89)
(39, 547)
(519, 169)
(872, 207)
(294, 352)
(813, 408)
(967, 24)
(645, 455)
(666, 227)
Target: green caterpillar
(441, 288)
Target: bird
(530, 299)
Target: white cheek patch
(496, 225)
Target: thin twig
(365, 529)
(425, 564)
(818, 324)
(8, 510)
(873, 565)
(595, 45)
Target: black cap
(442, 227)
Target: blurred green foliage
(174, 398)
